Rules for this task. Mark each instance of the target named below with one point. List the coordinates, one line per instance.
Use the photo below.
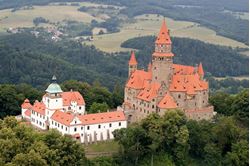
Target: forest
(31, 60)
(171, 139)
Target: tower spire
(132, 60)
(163, 36)
(132, 63)
(200, 70)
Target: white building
(65, 111)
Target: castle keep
(165, 85)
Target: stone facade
(165, 85)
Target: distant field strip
(54, 13)
(150, 26)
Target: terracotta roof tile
(104, 117)
(39, 107)
(167, 102)
(26, 104)
(27, 113)
(62, 117)
(187, 83)
(149, 92)
(183, 69)
(138, 79)
(132, 60)
(68, 97)
(163, 37)
(200, 70)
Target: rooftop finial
(53, 78)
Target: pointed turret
(163, 36)
(132, 60)
(162, 59)
(200, 70)
(132, 63)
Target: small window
(179, 96)
(99, 126)
(75, 129)
(62, 126)
(66, 128)
(80, 108)
(110, 125)
(52, 122)
(88, 127)
(81, 128)
(120, 123)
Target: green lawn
(108, 146)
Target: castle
(165, 85)
(65, 112)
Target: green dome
(53, 87)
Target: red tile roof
(138, 79)
(26, 104)
(200, 70)
(27, 113)
(187, 83)
(62, 117)
(167, 102)
(163, 37)
(149, 92)
(104, 117)
(68, 97)
(132, 60)
(183, 69)
(39, 107)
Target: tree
(239, 154)
(176, 135)
(98, 107)
(240, 107)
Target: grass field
(52, 12)
(237, 78)
(150, 26)
(101, 149)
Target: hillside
(217, 60)
(27, 59)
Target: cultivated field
(150, 24)
(53, 12)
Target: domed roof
(53, 87)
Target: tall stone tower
(132, 64)
(162, 60)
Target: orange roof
(163, 37)
(132, 60)
(27, 113)
(39, 107)
(26, 104)
(149, 92)
(163, 54)
(62, 117)
(68, 97)
(187, 83)
(183, 69)
(167, 102)
(138, 79)
(104, 117)
(200, 70)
